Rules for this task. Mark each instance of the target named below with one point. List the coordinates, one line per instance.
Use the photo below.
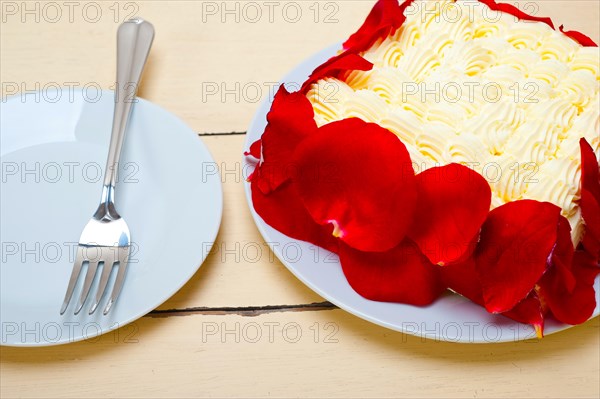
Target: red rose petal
(577, 305)
(510, 9)
(283, 210)
(290, 120)
(590, 211)
(401, 274)
(529, 311)
(590, 169)
(567, 287)
(532, 309)
(255, 149)
(590, 198)
(516, 242)
(562, 255)
(383, 20)
(357, 176)
(463, 279)
(453, 202)
(579, 37)
(333, 67)
(254, 153)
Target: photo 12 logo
(53, 252)
(252, 252)
(51, 92)
(453, 12)
(64, 172)
(253, 12)
(54, 12)
(66, 331)
(269, 332)
(468, 331)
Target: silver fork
(105, 239)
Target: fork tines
(106, 258)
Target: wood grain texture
(208, 66)
(232, 355)
(181, 350)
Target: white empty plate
(53, 152)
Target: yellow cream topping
(459, 82)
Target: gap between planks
(248, 311)
(221, 134)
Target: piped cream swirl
(461, 83)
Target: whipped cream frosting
(461, 83)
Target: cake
(456, 83)
(499, 98)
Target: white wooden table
(227, 332)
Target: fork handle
(134, 39)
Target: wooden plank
(209, 66)
(236, 356)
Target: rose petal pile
(349, 186)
